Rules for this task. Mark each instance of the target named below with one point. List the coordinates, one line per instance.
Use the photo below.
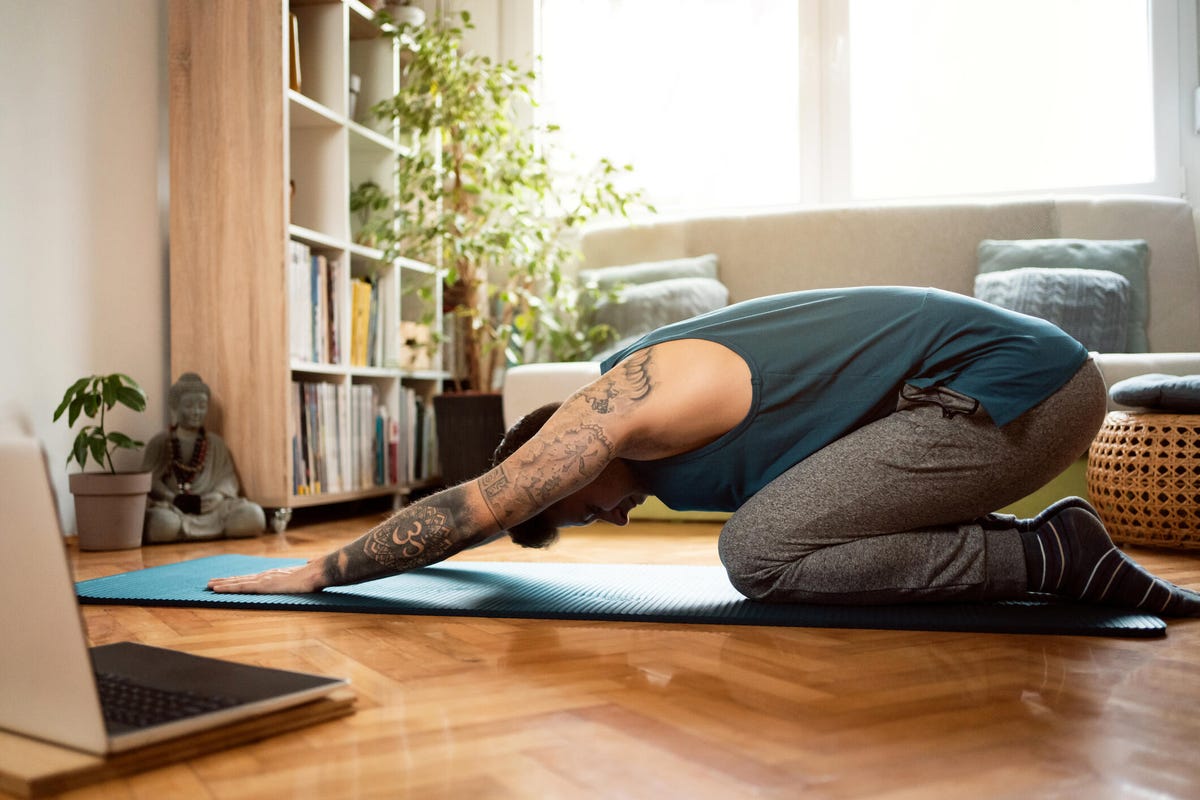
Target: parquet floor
(494, 708)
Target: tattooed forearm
(493, 484)
(573, 448)
(533, 479)
(422, 534)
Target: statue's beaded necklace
(185, 473)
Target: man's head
(610, 497)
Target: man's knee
(748, 573)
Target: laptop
(115, 697)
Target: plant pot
(110, 509)
(469, 427)
(406, 15)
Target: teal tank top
(824, 363)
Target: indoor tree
(478, 196)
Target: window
(950, 97)
(727, 104)
(702, 98)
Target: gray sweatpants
(891, 513)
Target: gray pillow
(1127, 257)
(641, 308)
(1092, 305)
(1176, 393)
(647, 272)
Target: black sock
(1070, 555)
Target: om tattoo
(422, 539)
(422, 534)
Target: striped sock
(1070, 554)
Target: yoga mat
(615, 592)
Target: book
(360, 321)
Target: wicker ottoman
(1144, 478)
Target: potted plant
(479, 197)
(110, 506)
(372, 209)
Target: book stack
(374, 326)
(344, 440)
(419, 461)
(315, 303)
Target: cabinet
(258, 170)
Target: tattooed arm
(621, 414)
(424, 533)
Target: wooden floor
(483, 708)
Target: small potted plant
(110, 506)
(372, 209)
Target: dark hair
(536, 531)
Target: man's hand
(289, 580)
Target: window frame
(824, 64)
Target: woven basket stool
(1144, 478)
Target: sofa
(926, 244)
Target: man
(861, 436)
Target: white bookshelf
(257, 165)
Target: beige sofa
(908, 244)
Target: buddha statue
(194, 488)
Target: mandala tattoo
(422, 537)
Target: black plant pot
(469, 427)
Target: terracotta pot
(110, 509)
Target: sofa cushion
(1092, 305)
(1126, 257)
(643, 307)
(607, 278)
(1175, 393)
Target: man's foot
(1070, 554)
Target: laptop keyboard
(127, 702)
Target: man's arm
(428, 531)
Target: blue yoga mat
(616, 592)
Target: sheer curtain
(732, 104)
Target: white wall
(82, 208)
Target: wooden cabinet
(257, 168)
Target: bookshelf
(261, 173)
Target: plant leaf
(108, 390)
(132, 397)
(76, 406)
(98, 448)
(121, 440)
(68, 395)
(79, 450)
